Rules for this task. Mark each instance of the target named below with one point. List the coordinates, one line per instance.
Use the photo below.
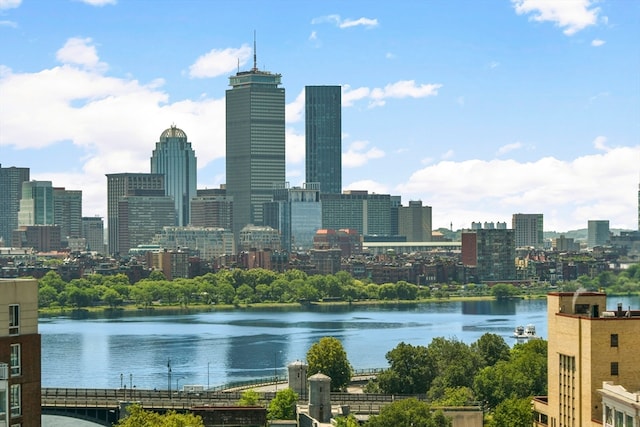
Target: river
(218, 347)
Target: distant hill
(577, 234)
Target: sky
(480, 109)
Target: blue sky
(480, 109)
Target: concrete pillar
(298, 377)
(320, 397)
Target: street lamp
(169, 376)
(275, 364)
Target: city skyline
(479, 111)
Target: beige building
(19, 353)
(587, 345)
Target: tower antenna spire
(255, 58)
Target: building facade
(20, 374)
(212, 208)
(67, 213)
(588, 344)
(36, 204)
(42, 238)
(120, 185)
(598, 233)
(140, 218)
(93, 233)
(491, 252)
(528, 229)
(255, 143)
(174, 158)
(208, 242)
(368, 214)
(414, 222)
(323, 137)
(11, 180)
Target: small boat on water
(525, 332)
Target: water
(218, 347)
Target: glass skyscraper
(36, 205)
(323, 137)
(11, 180)
(174, 158)
(255, 143)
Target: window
(3, 405)
(14, 319)
(16, 404)
(614, 368)
(15, 360)
(614, 340)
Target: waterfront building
(11, 180)
(140, 218)
(323, 137)
(368, 214)
(93, 233)
(20, 374)
(174, 158)
(212, 208)
(492, 253)
(209, 242)
(255, 143)
(259, 237)
(67, 213)
(528, 230)
(120, 185)
(36, 204)
(588, 344)
(598, 233)
(173, 264)
(297, 213)
(415, 222)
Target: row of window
(15, 362)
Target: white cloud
(378, 96)
(494, 64)
(294, 111)
(345, 23)
(390, 55)
(572, 15)
(358, 154)
(597, 42)
(9, 24)
(9, 4)
(509, 147)
(447, 154)
(567, 192)
(81, 52)
(600, 143)
(313, 35)
(218, 62)
(295, 147)
(99, 2)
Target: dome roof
(173, 132)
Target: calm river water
(218, 347)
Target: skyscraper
(598, 233)
(529, 230)
(67, 212)
(11, 180)
(323, 137)
(120, 185)
(36, 205)
(175, 159)
(93, 232)
(255, 143)
(415, 221)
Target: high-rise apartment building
(36, 204)
(414, 221)
(491, 252)
(93, 233)
(140, 218)
(67, 212)
(598, 233)
(587, 345)
(212, 208)
(368, 214)
(174, 158)
(11, 180)
(323, 137)
(120, 185)
(528, 229)
(20, 374)
(255, 143)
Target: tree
(283, 406)
(411, 370)
(504, 291)
(455, 364)
(348, 421)
(407, 413)
(249, 398)
(491, 348)
(455, 396)
(328, 357)
(512, 412)
(138, 417)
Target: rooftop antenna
(255, 60)
(238, 65)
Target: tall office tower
(212, 208)
(529, 230)
(140, 218)
(297, 213)
(67, 213)
(586, 346)
(93, 233)
(36, 205)
(368, 214)
(323, 137)
(597, 233)
(396, 203)
(11, 180)
(255, 143)
(20, 390)
(491, 252)
(120, 185)
(175, 159)
(415, 222)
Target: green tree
(112, 298)
(407, 413)
(138, 417)
(455, 396)
(406, 291)
(157, 276)
(54, 280)
(348, 421)
(513, 412)
(328, 357)
(504, 291)
(249, 398)
(411, 370)
(283, 406)
(455, 363)
(491, 348)
(47, 295)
